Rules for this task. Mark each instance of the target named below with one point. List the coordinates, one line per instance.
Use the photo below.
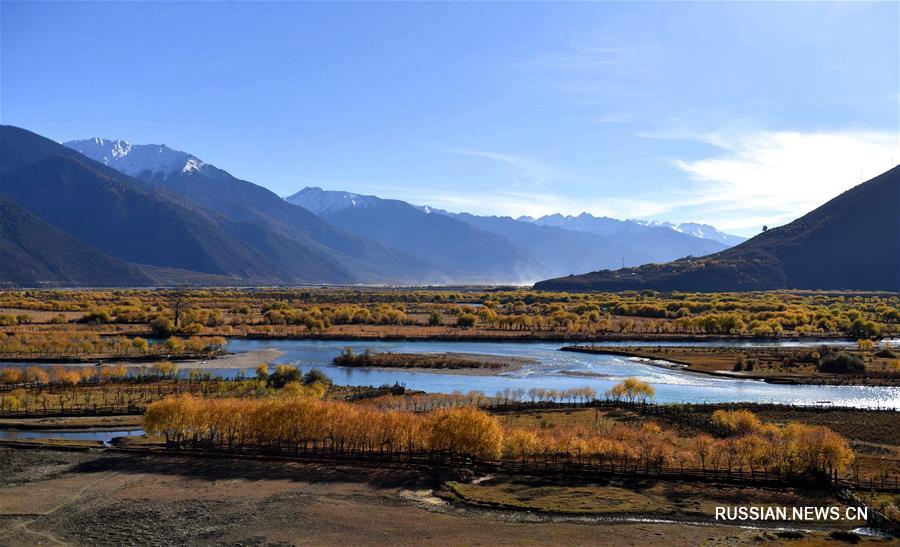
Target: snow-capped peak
(137, 159)
(325, 201)
(703, 231)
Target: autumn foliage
(303, 423)
(312, 423)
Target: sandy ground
(244, 360)
(111, 498)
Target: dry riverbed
(235, 361)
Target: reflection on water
(72, 435)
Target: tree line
(296, 423)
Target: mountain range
(107, 212)
(525, 247)
(662, 242)
(159, 231)
(278, 226)
(850, 242)
(605, 225)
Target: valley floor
(113, 498)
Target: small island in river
(460, 363)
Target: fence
(94, 410)
(874, 518)
(554, 466)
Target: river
(9, 434)
(556, 369)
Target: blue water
(104, 436)
(556, 369)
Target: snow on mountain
(585, 222)
(606, 226)
(328, 201)
(135, 159)
(703, 231)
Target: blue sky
(737, 114)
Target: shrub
(162, 327)
(193, 328)
(95, 317)
(864, 329)
(886, 353)
(282, 375)
(841, 362)
(466, 320)
(316, 376)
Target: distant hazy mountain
(462, 252)
(361, 258)
(488, 246)
(559, 251)
(33, 253)
(703, 231)
(659, 242)
(851, 242)
(606, 226)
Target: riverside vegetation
(474, 313)
(867, 363)
(278, 411)
(301, 421)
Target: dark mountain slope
(130, 220)
(246, 202)
(33, 253)
(851, 242)
(125, 222)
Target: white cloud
(748, 179)
(774, 177)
